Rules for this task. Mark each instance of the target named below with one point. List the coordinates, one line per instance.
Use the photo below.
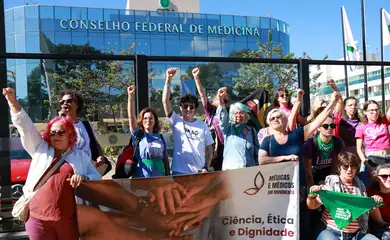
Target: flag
(385, 27)
(352, 53)
(258, 102)
(344, 207)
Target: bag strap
(92, 140)
(138, 138)
(254, 135)
(54, 166)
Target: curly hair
(275, 103)
(75, 96)
(69, 127)
(189, 98)
(156, 127)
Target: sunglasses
(326, 126)
(384, 176)
(345, 167)
(69, 100)
(59, 133)
(275, 118)
(283, 95)
(186, 106)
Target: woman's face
(384, 178)
(276, 121)
(59, 137)
(351, 107)
(239, 117)
(347, 173)
(372, 112)
(148, 121)
(282, 98)
(327, 128)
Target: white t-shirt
(189, 145)
(83, 138)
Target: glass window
(275, 36)
(47, 24)
(227, 20)
(10, 43)
(287, 29)
(20, 42)
(112, 44)
(200, 46)
(200, 21)
(158, 68)
(275, 24)
(126, 15)
(186, 47)
(172, 17)
(172, 46)
(253, 22)
(79, 13)
(111, 15)
(282, 26)
(214, 47)
(9, 21)
(142, 46)
(158, 47)
(265, 23)
(19, 14)
(95, 14)
(46, 12)
(32, 40)
(126, 41)
(213, 20)
(79, 34)
(63, 38)
(62, 12)
(31, 12)
(156, 18)
(32, 25)
(264, 33)
(79, 40)
(238, 46)
(49, 37)
(141, 16)
(227, 48)
(186, 20)
(97, 43)
(253, 46)
(239, 21)
(19, 26)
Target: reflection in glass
(31, 12)
(62, 12)
(79, 13)
(46, 12)
(19, 14)
(95, 14)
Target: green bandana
(325, 148)
(238, 128)
(344, 208)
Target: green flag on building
(344, 208)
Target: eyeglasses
(69, 100)
(186, 106)
(59, 133)
(373, 110)
(384, 176)
(275, 118)
(283, 95)
(326, 126)
(345, 167)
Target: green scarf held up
(238, 128)
(344, 208)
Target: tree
(266, 75)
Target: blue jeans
(331, 234)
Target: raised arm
(388, 114)
(340, 104)
(199, 87)
(170, 73)
(131, 108)
(311, 127)
(292, 119)
(222, 113)
(29, 134)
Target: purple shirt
(210, 111)
(348, 130)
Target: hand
(199, 202)
(195, 73)
(150, 219)
(335, 97)
(167, 196)
(202, 170)
(377, 199)
(171, 73)
(131, 91)
(63, 112)
(9, 94)
(314, 189)
(75, 180)
(300, 93)
(331, 82)
(100, 161)
(222, 92)
(292, 157)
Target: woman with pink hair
(48, 195)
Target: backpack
(125, 166)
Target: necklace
(325, 148)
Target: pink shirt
(375, 135)
(287, 111)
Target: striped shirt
(327, 219)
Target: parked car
(20, 164)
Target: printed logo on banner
(258, 182)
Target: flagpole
(382, 67)
(345, 55)
(364, 51)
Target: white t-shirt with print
(83, 138)
(189, 145)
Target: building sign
(124, 26)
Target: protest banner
(251, 203)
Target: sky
(315, 25)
